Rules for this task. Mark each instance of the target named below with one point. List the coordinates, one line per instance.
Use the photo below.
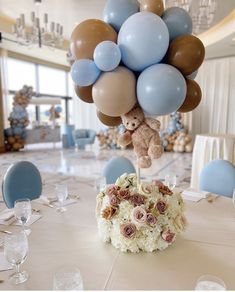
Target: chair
(115, 167)
(82, 137)
(22, 180)
(218, 177)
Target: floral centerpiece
(135, 217)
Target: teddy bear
(143, 133)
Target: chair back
(218, 177)
(22, 180)
(115, 167)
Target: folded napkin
(4, 265)
(67, 202)
(32, 219)
(194, 195)
(46, 200)
(7, 217)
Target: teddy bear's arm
(153, 124)
(124, 139)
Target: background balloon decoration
(84, 93)
(16, 134)
(116, 12)
(154, 6)
(109, 121)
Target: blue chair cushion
(116, 167)
(218, 177)
(22, 180)
(81, 134)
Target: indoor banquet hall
(117, 145)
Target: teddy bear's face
(133, 119)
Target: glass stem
(17, 268)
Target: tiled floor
(89, 164)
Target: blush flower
(168, 236)
(137, 200)
(113, 200)
(162, 188)
(112, 190)
(123, 194)
(139, 215)
(161, 207)
(109, 212)
(151, 219)
(128, 230)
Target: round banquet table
(57, 239)
(209, 147)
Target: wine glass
(61, 191)
(209, 282)
(100, 183)
(15, 251)
(170, 181)
(68, 278)
(234, 197)
(23, 211)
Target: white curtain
(215, 114)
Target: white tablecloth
(210, 147)
(207, 247)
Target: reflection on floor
(88, 165)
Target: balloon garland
(16, 134)
(140, 54)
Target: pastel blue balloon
(84, 72)
(193, 75)
(218, 177)
(58, 109)
(143, 40)
(161, 89)
(17, 130)
(178, 21)
(107, 56)
(116, 12)
(8, 132)
(115, 167)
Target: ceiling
(71, 12)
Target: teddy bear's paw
(155, 151)
(144, 162)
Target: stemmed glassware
(68, 278)
(15, 251)
(209, 282)
(234, 197)
(61, 191)
(100, 183)
(23, 211)
(170, 181)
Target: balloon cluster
(108, 138)
(140, 53)
(54, 112)
(16, 134)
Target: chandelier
(46, 34)
(201, 11)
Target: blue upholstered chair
(115, 167)
(22, 180)
(218, 177)
(83, 137)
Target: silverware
(6, 231)
(76, 197)
(36, 210)
(211, 198)
(48, 205)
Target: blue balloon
(161, 89)
(218, 177)
(84, 72)
(116, 12)
(107, 56)
(143, 40)
(17, 130)
(115, 167)
(193, 75)
(58, 109)
(178, 21)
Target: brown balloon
(87, 35)
(193, 97)
(107, 120)
(186, 53)
(84, 93)
(154, 6)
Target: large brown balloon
(154, 6)
(84, 93)
(193, 97)
(109, 121)
(87, 35)
(186, 53)
(114, 93)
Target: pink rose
(128, 230)
(168, 236)
(162, 188)
(137, 200)
(151, 219)
(123, 194)
(139, 215)
(112, 190)
(113, 200)
(161, 207)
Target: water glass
(61, 191)
(234, 197)
(209, 282)
(100, 183)
(15, 252)
(68, 278)
(170, 181)
(23, 211)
